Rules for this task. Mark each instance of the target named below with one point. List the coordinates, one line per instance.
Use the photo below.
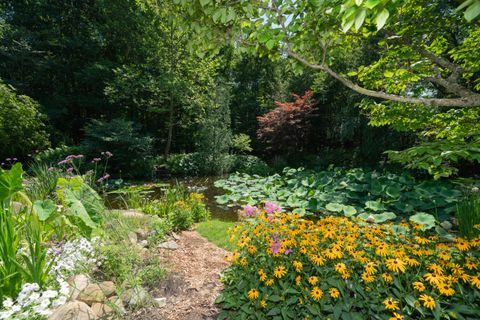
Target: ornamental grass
(288, 267)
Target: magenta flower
(271, 208)
(288, 251)
(249, 211)
(276, 247)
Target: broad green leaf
(10, 181)
(349, 211)
(472, 11)
(426, 220)
(374, 205)
(334, 207)
(360, 18)
(44, 208)
(381, 18)
(370, 4)
(385, 216)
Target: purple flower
(79, 156)
(70, 157)
(106, 176)
(271, 208)
(70, 170)
(288, 251)
(276, 247)
(97, 159)
(249, 211)
(15, 159)
(8, 159)
(61, 163)
(50, 169)
(108, 154)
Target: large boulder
(91, 294)
(77, 283)
(75, 310)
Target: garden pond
(203, 185)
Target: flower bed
(286, 267)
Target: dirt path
(194, 280)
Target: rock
(108, 288)
(91, 294)
(370, 219)
(160, 302)
(77, 283)
(143, 243)
(101, 309)
(75, 310)
(169, 245)
(175, 236)
(135, 296)
(142, 234)
(116, 304)
(446, 225)
(132, 236)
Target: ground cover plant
(286, 267)
(355, 192)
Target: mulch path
(193, 283)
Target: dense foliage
(22, 128)
(285, 267)
(356, 192)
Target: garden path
(194, 280)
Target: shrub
(287, 128)
(180, 209)
(338, 268)
(22, 130)
(132, 151)
(250, 165)
(241, 143)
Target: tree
(287, 128)
(425, 58)
(22, 128)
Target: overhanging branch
(471, 100)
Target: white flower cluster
(72, 256)
(32, 302)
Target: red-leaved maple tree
(287, 128)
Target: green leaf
(44, 208)
(426, 220)
(381, 18)
(388, 74)
(334, 207)
(370, 4)
(382, 217)
(349, 211)
(360, 18)
(223, 199)
(205, 2)
(10, 181)
(270, 44)
(374, 205)
(473, 11)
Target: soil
(193, 283)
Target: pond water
(204, 185)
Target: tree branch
(472, 100)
